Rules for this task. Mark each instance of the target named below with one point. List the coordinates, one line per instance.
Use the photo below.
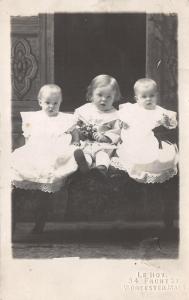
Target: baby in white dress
(140, 153)
(46, 159)
(47, 156)
(98, 125)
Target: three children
(57, 144)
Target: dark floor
(118, 240)
(82, 220)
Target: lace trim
(146, 177)
(45, 187)
(154, 178)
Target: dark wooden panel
(18, 106)
(32, 57)
(46, 39)
(25, 25)
(25, 57)
(161, 56)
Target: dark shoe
(103, 170)
(81, 161)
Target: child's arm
(73, 130)
(75, 137)
(114, 132)
(109, 133)
(101, 138)
(166, 122)
(27, 118)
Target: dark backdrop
(90, 44)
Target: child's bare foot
(81, 161)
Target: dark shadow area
(109, 241)
(88, 44)
(112, 217)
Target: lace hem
(146, 177)
(44, 187)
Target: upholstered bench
(94, 198)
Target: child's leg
(88, 159)
(102, 159)
(84, 160)
(43, 201)
(102, 162)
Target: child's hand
(165, 121)
(99, 137)
(123, 125)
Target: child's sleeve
(26, 124)
(74, 122)
(114, 133)
(78, 115)
(70, 122)
(125, 113)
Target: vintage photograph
(95, 141)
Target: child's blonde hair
(101, 81)
(49, 88)
(145, 82)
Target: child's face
(103, 98)
(50, 104)
(147, 97)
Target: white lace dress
(47, 157)
(139, 153)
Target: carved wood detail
(24, 67)
(32, 41)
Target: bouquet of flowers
(86, 130)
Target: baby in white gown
(140, 153)
(47, 157)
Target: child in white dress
(98, 125)
(140, 153)
(46, 159)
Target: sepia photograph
(95, 139)
(94, 149)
